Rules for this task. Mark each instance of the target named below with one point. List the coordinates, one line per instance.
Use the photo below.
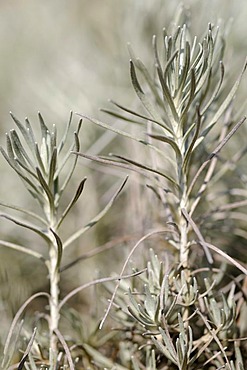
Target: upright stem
(183, 228)
(54, 277)
(184, 251)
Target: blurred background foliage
(58, 56)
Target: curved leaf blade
(95, 220)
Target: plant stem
(54, 277)
(183, 227)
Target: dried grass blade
(66, 348)
(228, 258)
(18, 315)
(28, 349)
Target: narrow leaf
(53, 138)
(26, 225)
(185, 70)
(191, 96)
(208, 56)
(122, 133)
(24, 211)
(95, 220)
(64, 138)
(172, 112)
(23, 130)
(22, 164)
(192, 143)
(22, 249)
(199, 235)
(225, 103)
(35, 189)
(141, 116)
(30, 132)
(64, 160)
(120, 116)
(76, 147)
(43, 127)
(146, 103)
(215, 152)
(52, 168)
(150, 303)
(59, 248)
(17, 145)
(217, 89)
(10, 150)
(39, 159)
(72, 202)
(169, 141)
(150, 81)
(45, 187)
(122, 165)
(146, 168)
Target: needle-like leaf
(96, 219)
(59, 248)
(147, 168)
(39, 231)
(142, 96)
(72, 202)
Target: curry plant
(183, 99)
(183, 103)
(45, 167)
